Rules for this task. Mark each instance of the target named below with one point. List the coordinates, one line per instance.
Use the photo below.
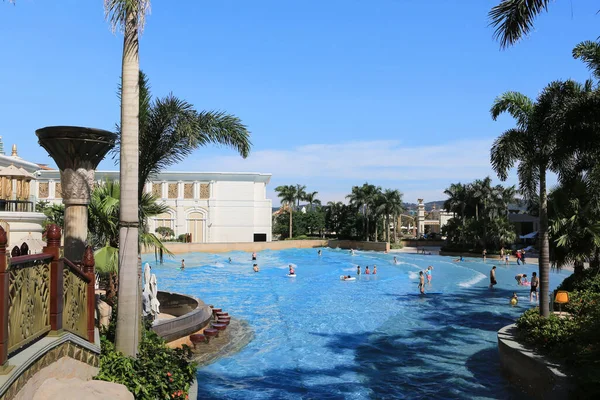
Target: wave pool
(317, 337)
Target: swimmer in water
(253, 256)
(374, 269)
(229, 260)
(514, 300)
(358, 270)
(421, 282)
(319, 253)
(292, 272)
(182, 265)
(367, 270)
(395, 260)
(255, 268)
(428, 273)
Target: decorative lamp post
(77, 152)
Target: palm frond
(519, 106)
(589, 52)
(513, 19)
(115, 12)
(217, 127)
(506, 151)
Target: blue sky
(335, 93)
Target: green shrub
(158, 372)
(549, 334)
(589, 279)
(396, 246)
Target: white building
(214, 207)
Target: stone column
(420, 218)
(77, 186)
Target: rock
(104, 312)
(76, 389)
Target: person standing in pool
(367, 270)
(229, 260)
(358, 270)
(319, 253)
(484, 254)
(255, 268)
(182, 265)
(374, 269)
(428, 273)
(534, 285)
(493, 277)
(421, 282)
(253, 256)
(292, 272)
(523, 257)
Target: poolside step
(197, 338)
(221, 314)
(210, 333)
(226, 318)
(223, 321)
(216, 310)
(220, 327)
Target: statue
(146, 294)
(154, 303)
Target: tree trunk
(290, 222)
(544, 261)
(367, 217)
(396, 228)
(128, 320)
(376, 226)
(387, 227)
(111, 292)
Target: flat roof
(177, 176)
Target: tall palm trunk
(367, 218)
(544, 260)
(129, 316)
(291, 221)
(387, 226)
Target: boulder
(76, 389)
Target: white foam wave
(287, 266)
(413, 275)
(477, 278)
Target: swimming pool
(317, 337)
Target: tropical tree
(288, 195)
(103, 227)
(171, 129)
(311, 197)
(129, 16)
(364, 197)
(533, 143)
(300, 194)
(390, 205)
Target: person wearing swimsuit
(374, 269)
(534, 284)
(367, 270)
(358, 270)
(253, 256)
(428, 273)
(421, 282)
(292, 272)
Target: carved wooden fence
(43, 292)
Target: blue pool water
(317, 337)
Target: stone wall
(357, 245)
(423, 243)
(191, 315)
(533, 373)
(179, 248)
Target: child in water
(253, 256)
(421, 282)
(292, 272)
(367, 270)
(255, 268)
(182, 265)
(358, 270)
(374, 269)
(514, 299)
(395, 260)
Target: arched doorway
(195, 225)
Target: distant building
(214, 207)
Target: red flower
(169, 374)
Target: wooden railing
(43, 292)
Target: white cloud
(422, 171)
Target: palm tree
(288, 195)
(532, 143)
(311, 197)
(513, 19)
(171, 129)
(300, 194)
(364, 197)
(103, 227)
(129, 15)
(390, 205)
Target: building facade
(212, 207)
